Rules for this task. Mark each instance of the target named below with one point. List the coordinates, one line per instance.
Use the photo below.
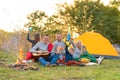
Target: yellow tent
(97, 44)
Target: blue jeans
(68, 56)
(52, 59)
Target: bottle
(68, 36)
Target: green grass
(108, 70)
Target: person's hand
(28, 30)
(40, 52)
(57, 52)
(59, 49)
(71, 40)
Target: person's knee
(40, 58)
(56, 55)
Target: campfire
(20, 65)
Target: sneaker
(47, 65)
(27, 61)
(24, 61)
(53, 65)
(61, 65)
(99, 57)
(91, 64)
(100, 60)
(81, 65)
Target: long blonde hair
(80, 44)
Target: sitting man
(59, 47)
(43, 50)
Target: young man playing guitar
(42, 52)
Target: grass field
(108, 70)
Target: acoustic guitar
(44, 54)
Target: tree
(115, 3)
(37, 21)
(4, 36)
(82, 16)
(88, 15)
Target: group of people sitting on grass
(57, 53)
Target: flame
(21, 53)
(19, 61)
(20, 56)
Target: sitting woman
(34, 41)
(73, 55)
(77, 50)
(80, 54)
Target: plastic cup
(30, 28)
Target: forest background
(82, 16)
